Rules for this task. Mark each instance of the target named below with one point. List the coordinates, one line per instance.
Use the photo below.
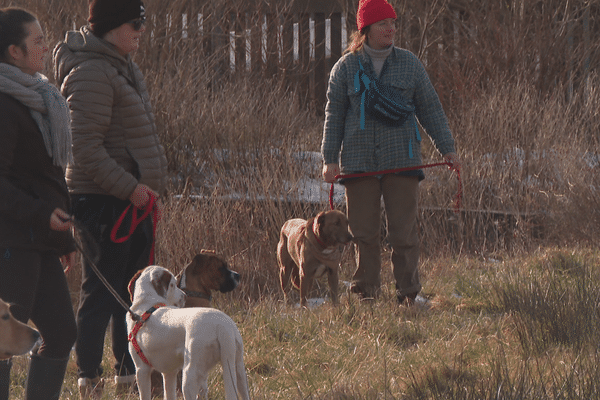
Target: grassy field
(511, 281)
(524, 327)
(512, 316)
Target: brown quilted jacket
(115, 141)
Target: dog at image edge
(190, 339)
(16, 338)
(308, 249)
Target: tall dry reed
(516, 80)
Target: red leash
(135, 221)
(457, 197)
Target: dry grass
(521, 328)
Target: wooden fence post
(304, 56)
(255, 26)
(287, 48)
(336, 38)
(319, 63)
(239, 31)
(272, 64)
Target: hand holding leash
(68, 260)
(60, 220)
(151, 208)
(141, 195)
(330, 172)
(453, 162)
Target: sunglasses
(137, 23)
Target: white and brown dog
(207, 272)
(16, 338)
(309, 249)
(170, 339)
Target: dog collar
(136, 328)
(315, 230)
(198, 295)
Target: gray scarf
(47, 107)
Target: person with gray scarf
(35, 238)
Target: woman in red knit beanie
(370, 12)
(356, 139)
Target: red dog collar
(138, 325)
(315, 229)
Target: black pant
(35, 284)
(118, 262)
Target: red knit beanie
(106, 15)
(371, 11)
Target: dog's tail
(240, 369)
(232, 360)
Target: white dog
(172, 339)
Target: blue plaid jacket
(380, 146)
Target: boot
(408, 300)
(5, 378)
(90, 388)
(45, 378)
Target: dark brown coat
(31, 186)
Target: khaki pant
(400, 197)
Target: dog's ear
(194, 264)
(205, 259)
(320, 218)
(161, 280)
(200, 260)
(131, 286)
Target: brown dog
(16, 338)
(309, 249)
(206, 272)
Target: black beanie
(106, 15)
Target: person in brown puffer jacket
(118, 161)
